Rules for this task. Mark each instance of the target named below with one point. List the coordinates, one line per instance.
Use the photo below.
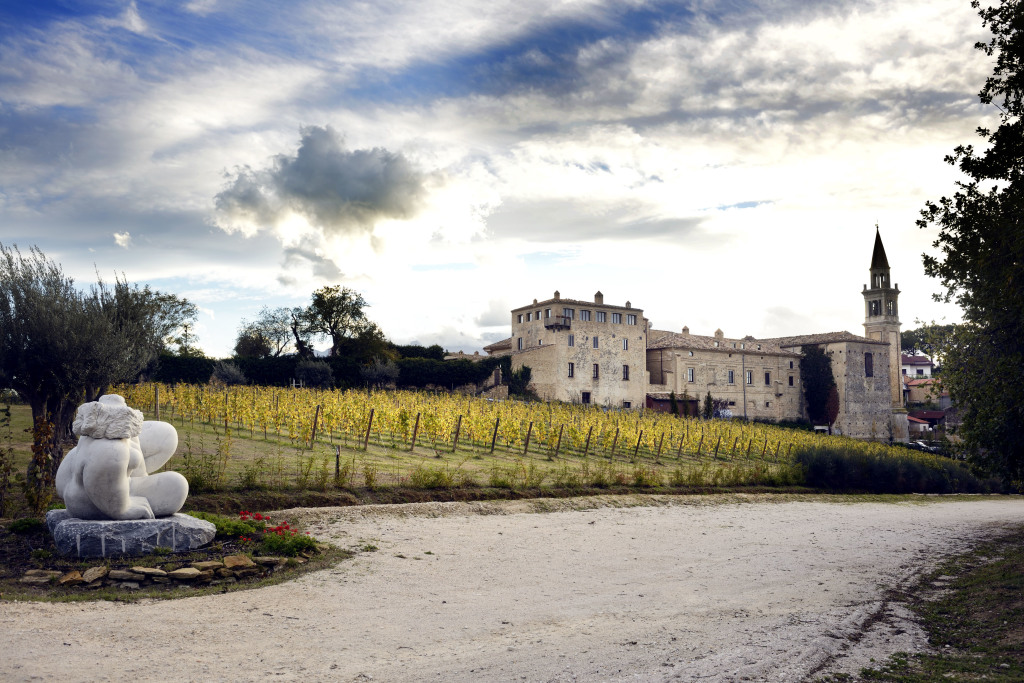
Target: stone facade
(863, 372)
(758, 379)
(582, 351)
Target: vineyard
(266, 437)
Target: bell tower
(881, 315)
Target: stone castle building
(592, 352)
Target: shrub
(315, 374)
(226, 372)
(835, 468)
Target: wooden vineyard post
(558, 445)
(679, 451)
(614, 444)
(369, 425)
(494, 437)
(586, 447)
(337, 462)
(458, 428)
(701, 442)
(735, 441)
(660, 441)
(529, 431)
(156, 401)
(415, 431)
(751, 443)
(638, 439)
(717, 444)
(225, 411)
(316, 420)
(789, 451)
(765, 449)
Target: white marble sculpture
(106, 476)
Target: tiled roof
(499, 345)
(928, 414)
(915, 360)
(911, 418)
(823, 338)
(675, 340)
(577, 303)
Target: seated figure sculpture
(106, 476)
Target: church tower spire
(881, 314)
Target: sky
(717, 163)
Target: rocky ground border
(229, 570)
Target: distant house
(926, 390)
(916, 366)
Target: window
(547, 312)
(904, 371)
(767, 378)
(597, 372)
(529, 317)
(627, 404)
(538, 315)
(520, 318)
(767, 404)
(790, 365)
(750, 377)
(890, 307)
(625, 345)
(569, 313)
(595, 342)
(572, 369)
(742, 345)
(540, 342)
(869, 365)
(732, 377)
(631, 319)
(584, 315)
(519, 343)
(689, 374)
(716, 343)
(691, 353)
(585, 397)
(874, 308)
(920, 371)
(572, 340)
(616, 318)
(791, 380)
(601, 315)
(625, 373)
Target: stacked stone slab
(111, 538)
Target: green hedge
(841, 470)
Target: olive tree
(61, 346)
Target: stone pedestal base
(109, 538)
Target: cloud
(335, 190)
(123, 239)
(496, 315)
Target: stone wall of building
(757, 379)
(582, 351)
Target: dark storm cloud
(335, 189)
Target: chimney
(719, 334)
(599, 298)
(686, 330)
(557, 295)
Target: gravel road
(715, 588)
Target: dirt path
(690, 588)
